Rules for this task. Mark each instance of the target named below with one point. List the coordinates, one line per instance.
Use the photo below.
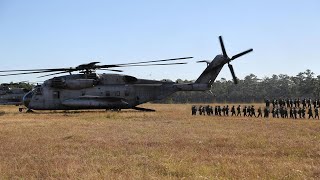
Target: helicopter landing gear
(143, 109)
(29, 111)
(114, 110)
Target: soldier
(300, 112)
(216, 111)
(303, 112)
(233, 111)
(267, 102)
(304, 103)
(194, 110)
(245, 111)
(282, 102)
(248, 110)
(281, 112)
(266, 112)
(273, 112)
(259, 112)
(219, 110)
(295, 102)
(291, 102)
(288, 102)
(239, 110)
(295, 113)
(224, 110)
(277, 112)
(208, 110)
(298, 102)
(309, 102)
(252, 112)
(316, 112)
(274, 102)
(227, 110)
(203, 110)
(285, 112)
(291, 112)
(315, 104)
(200, 110)
(310, 113)
(211, 110)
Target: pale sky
(285, 35)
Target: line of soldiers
(226, 110)
(295, 112)
(250, 111)
(289, 102)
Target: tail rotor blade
(241, 54)
(235, 80)
(223, 48)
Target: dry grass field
(167, 144)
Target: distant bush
(2, 113)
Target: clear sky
(285, 35)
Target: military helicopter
(10, 94)
(89, 90)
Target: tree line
(251, 89)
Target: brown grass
(167, 144)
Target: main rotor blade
(52, 74)
(143, 62)
(223, 48)
(241, 54)
(235, 80)
(114, 70)
(169, 64)
(35, 72)
(38, 70)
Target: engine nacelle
(80, 83)
(73, 83)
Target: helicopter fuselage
(100, 91)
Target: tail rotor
(224, 53)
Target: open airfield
(166, 144)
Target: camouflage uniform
(303, 112)
(200, 110)
(266, 112)
(267, 102)
(316, 113)
(239, 110)
(259, 112)
(219, 110)
(203, 110)
(310, 113)
(233, 111)
(227, 110)
(194, 110)
(245, 111)
(291, 113)
(252, 112)
(295, 112)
